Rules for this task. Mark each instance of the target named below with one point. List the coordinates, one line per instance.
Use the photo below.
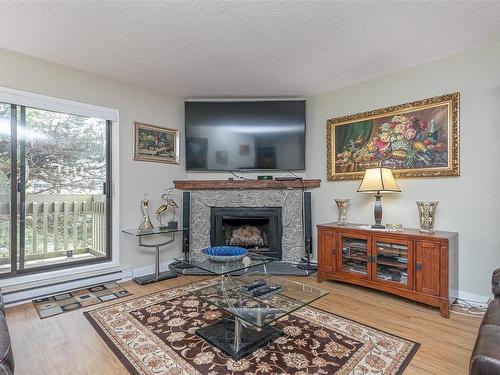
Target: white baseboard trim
(474, 299)
(25, 296)
(23, 293)
(130, 273)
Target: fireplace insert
(258, 229)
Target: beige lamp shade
(378, 180)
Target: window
(55, 200)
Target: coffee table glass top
(226, 293)
(138, 233)
(222, 268)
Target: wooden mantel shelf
(245, 184)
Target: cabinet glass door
(355, 256)
(391, 262)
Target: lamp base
(378, 212)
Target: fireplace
(258, 229)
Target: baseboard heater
(15, 297)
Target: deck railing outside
(58, 225)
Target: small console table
(157, 276)
(421, 267)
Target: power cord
(294, 175)
(478, 305)
(468, 309)
(241, 177)
(308, 175)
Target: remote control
(254, 285)
(266, 290)
(275, 290)
(255, 291)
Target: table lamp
(378, 180)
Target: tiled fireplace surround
(290, 201)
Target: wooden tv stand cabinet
(421, 267)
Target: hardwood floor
(67, 344)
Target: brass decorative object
(146, 224)
(427, 214)
(343, 205)
(417, 139)
(172, 224)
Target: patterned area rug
(77, 299)
(155, 334)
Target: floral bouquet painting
(418, 139)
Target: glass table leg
(237, 335)
(259, 318)
(157, 262)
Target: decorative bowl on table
(225, 253)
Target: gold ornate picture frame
(157, 144)
(417, 139)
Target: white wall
(134, 104)
(469, 204)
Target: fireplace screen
(258, 229)
(247, 235)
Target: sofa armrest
(485, 359)
(6, 355)
(495, 282)
(2, 304)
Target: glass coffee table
(249, 325)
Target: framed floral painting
(153, 143)
(418, 139)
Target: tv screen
(243, 135)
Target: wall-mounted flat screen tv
(245, 135)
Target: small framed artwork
(153, 143)
(417, 139)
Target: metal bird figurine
(163, 209)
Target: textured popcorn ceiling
(271, 48)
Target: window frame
(17, 98)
